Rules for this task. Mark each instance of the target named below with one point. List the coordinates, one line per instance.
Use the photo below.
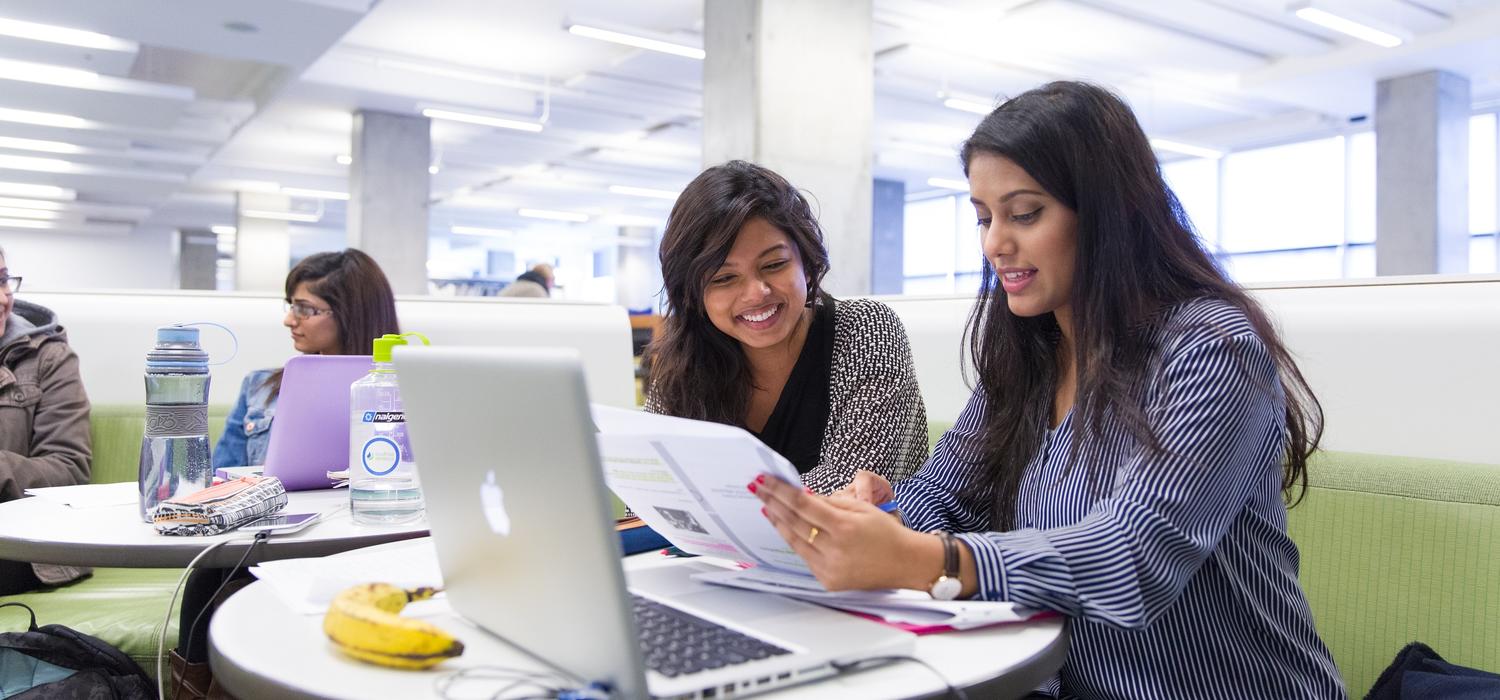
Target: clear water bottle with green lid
(383, 485)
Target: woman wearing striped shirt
(1126, 455)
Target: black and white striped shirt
(1177, 574)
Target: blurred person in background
(536, 282)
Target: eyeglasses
(301, 310)
(10, 284)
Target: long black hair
(1136, 256)
(694, 369)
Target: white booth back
(112, 331)
(1402, 366)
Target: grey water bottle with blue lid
(175, 457)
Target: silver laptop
(521, 521)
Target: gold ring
(812, 535)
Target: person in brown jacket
(44, 418)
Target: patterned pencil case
(220, 508)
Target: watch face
(946, 588)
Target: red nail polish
(753, 486)
(763, 512)
(760, 479)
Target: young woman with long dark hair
(1135, 436)
(336, 304)
(750, 339)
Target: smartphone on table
(280, 523)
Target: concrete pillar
(790, 85)
(637, 269)
(388, 193)
(197, 259)
(262, 247)
(887, 240)
(1422, 174)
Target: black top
(795, 427)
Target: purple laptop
(310, 436)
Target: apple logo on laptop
(492, 498)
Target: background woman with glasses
(336, 304)
(44, 418)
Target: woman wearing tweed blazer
(750, 339)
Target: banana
(364, 622)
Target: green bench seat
(124, 607)
(1396, 550)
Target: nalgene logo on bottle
(384, 417)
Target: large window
(1298, 211)
(941, 247)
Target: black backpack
(59, 662)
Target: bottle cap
(384, 344)
(177, 352)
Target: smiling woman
(750, 339)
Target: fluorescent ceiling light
(18, 189)
(1344, 25)
(281, 215)
(223, 230)
(480, 231)
(343, 159)
(970, 106)
(948, 183)
(63, 121)
(19, 213)
(643, 192)
(63, 35)
(482, 120)
(26, 223)
(639, 42)
(45, 165)
(552, 215)
(433, 169)
(38, 145)
(31, 204)
(1186, 149)
(316, 194)
(47, 74)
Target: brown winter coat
(44, 416)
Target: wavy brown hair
(1137, 256)
(694, 370)
(364, 308)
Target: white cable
(161, 640)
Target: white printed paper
(687, 479)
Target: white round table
(260, 647)
(48, 532)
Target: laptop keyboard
(676, 643)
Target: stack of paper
(687, 480)
(904, 607)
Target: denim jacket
(247, 431)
